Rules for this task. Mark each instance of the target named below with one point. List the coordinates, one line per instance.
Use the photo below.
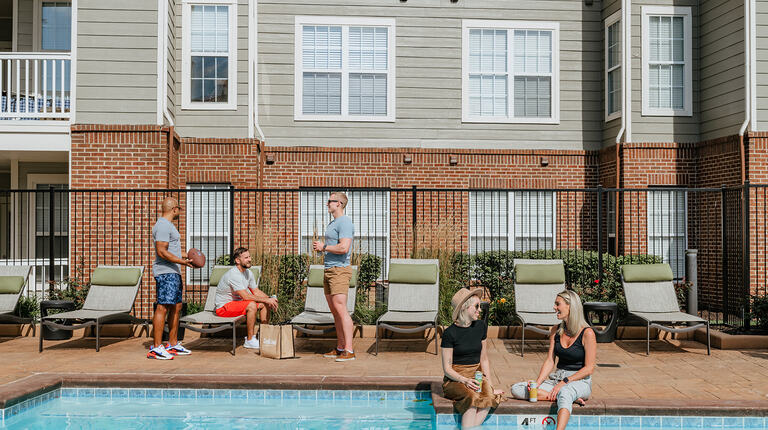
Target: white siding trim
(73, 70)
(15, 25)
(160, 60)
(613, 19)
(186, 12)
(345, 22)
(468, 24)
(685, 12)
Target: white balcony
(35, 86)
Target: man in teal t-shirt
(338, 248)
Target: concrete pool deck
(677, 378)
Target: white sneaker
(159, 353)
(251, 343)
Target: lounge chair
(209, 321)
(13, 279)
(414, 291)
(651, 297)
(316, 311)
(110, 299)
(537, 283)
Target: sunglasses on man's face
(333, 201)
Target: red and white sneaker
(159, 353)
(177, 349)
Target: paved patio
(678, 371)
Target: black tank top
(571, 358)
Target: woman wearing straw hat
(573, 343)
(464, 352)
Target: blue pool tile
(170, 394)
(153, 393)
(69, 392)
(410, 395)
(307, 395)
(119, 393)
(712, 422)
(239, 394)
(671, 422)
(692, 422)
(358, 395)
(449, 419)
(85, 392)
(325, 395)
(754, 423)
(507, 421)
(342, 397)
(394, 395)
(273, 394)
(426, 395)
(377, 396)
(631, 421)
(589, 421)
(290, 394)
(651, 422)
(733, 422)
(256, 396)
(137, 393)
(187, 393)
(204, 394)
(610, 421)
(221, 394)
(102, 393)
(56, 394)
(491, 420)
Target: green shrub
(28, 307)
(760, 312)
(74, 288)
(194, 307)
(223, 260)
(369, 270)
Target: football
(196, 258)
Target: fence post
(691, 275)
(413, 214)
(231, 222)
(746, 260)
(600, 235)
(724, 241)
(51, 239)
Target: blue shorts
(168, 288)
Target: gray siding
(761, 47)
(428, 73)
(171, 77)
(117, 62)
(722, 67)
(216, 123)
(25, 27)
(663, 128)
(610, 128)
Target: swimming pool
(136, 408)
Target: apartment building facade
(483, 96)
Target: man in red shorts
(237, 294)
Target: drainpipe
(626, 94)
(255, 67)
(747, 85)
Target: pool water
(230, 409)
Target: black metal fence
(66, 233)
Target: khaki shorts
(336, 280)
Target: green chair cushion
(116, 276)
(646, 272)
(11, 284)
(353, 279)
(539, 274)
(401, 273)
(256, 270)
(216, 274)
(315, 278)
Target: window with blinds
(207, 216)
(667, 228)
(667, 60)
(345, 69)
(210, 55)
(514, 221)
(613, 67)
(510, 71)
(369, 211)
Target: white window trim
(468, 24)
(685, 12)
(511, 219)
(345, 22)
(186, 17)
(37, 25)
(189, 218)
(650, 228)
(613, 19)
(387, 232)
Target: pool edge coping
(40, 383)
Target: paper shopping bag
(276, 341)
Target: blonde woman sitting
(464, 352)
(573, 343)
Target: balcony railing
(35, 86)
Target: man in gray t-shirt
(238, 294)
(167, 272)
(337, 248)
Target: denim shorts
(168, 288)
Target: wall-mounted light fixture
(270, 159)
(407, 159)
(544, 161)
(453, 160)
